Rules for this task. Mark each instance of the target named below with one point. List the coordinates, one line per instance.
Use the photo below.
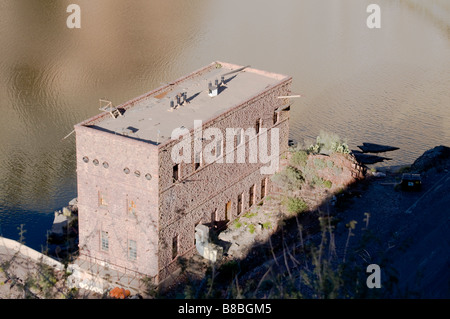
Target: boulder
(431, 158)
(66, 212)
(59, 224)
(73, 202)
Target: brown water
(388, 86)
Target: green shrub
(266, 225)
(329, 143)
(316, 181)
(249, 215)
(290, 178)
(299, 158)
(295, 205)
(327, 184)
(320, 182)
(319, 163)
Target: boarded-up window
(251, 196)
(263, 187)
(132, 207)
(228, 211)
(239, 204)
(102, 201)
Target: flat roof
(151, 118)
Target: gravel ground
(410, 228)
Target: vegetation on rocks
(289, 178)
(328, 143)
(299, 158)
(295, 205)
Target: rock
(292, 143)
(73, 206)
(59, 224)
(431, 158)
(73, 202)
(378, 174)
(340, 169)
(66, 212)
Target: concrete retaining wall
(14, 246)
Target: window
(197, 160)
(131, 207)
(239, 206)
(239, 138)
(258, 125)
(251, 197)
(104, 241)
(195, 239)
(263, 187)
(176, 174)
(174, 247)
(275, 117)
(228, 211)
(102, 202)
(219, 148)
(132, 250)
(213, 219)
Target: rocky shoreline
(373, 205)
(62, 239)
(335, 183)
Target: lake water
(388, 85)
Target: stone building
(138, 209)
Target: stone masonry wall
(164, 210)
(131, 210)
(198, 194)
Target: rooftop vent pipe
(213, 90)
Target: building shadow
(298, 232)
